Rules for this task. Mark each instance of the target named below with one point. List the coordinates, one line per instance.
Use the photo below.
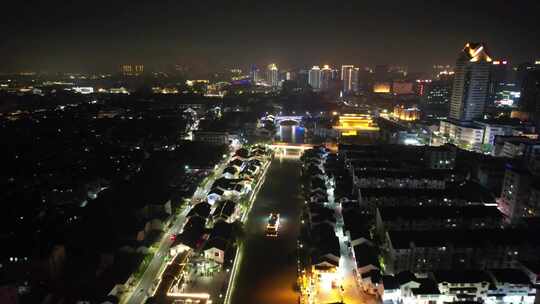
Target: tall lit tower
(498, 79)
(255, 74)
(471, 80)
(272, 75)
(355, 76)
(346, 77)
(326, 77)
(314, 78)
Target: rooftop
(218, 243)
(366, 255)
(222, 230)
(463, 238)
(512, 276)
(476, 52)
(390, 282)
(464, 124)
(439, 212)
(515, 139)
(468, 191)
(356, 223)
(405, 277)
(193, 231)
(465, 276)
(224, 208)
(500, 121)
(533, 266)
(201, 209)
(411, 174)
(427, 287)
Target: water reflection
(273, 259)
(290, 134)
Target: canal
(294, 134)
(267, 271)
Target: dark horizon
(211, 35)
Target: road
(142, 290)
(353, 293)
(145, 285)
(267, 272)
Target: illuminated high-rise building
(336, 74)
(438, 92)
(326, 77)
(397, 72)
(314, 78)
(272, 75)
(471, 80)
(498, 79)
(529, 101)
(349, 76)
(302, 77)
(132, 69)
(355, 79)
(440, 70)
(436, 98)
(236, 74)
(255, 74)
(289, 75)
(420, 86)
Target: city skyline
(290, 152)
(210, 35)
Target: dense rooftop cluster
(88, 186)
(403, 214)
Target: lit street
(142, 290)
(267, 272)
(146, 283)
(353, 293)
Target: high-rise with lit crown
(272, 75)
(498, 79)
(314, 78)
(471, 80)
(326, 77)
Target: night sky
(85, 36)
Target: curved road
(267, 272)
